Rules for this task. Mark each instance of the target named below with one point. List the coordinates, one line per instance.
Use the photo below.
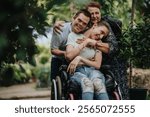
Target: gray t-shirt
(87, 52)
(59, 41)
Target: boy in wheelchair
(87, 82)
(83, 68)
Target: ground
(28, 91)
(24, 92)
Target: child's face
(99, 32)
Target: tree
(18, 18)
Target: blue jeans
(92, 82)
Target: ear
(74, 17)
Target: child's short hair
(104, 23)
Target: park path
(24, 92)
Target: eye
(98, 35)
(79, 20)
(97, 13)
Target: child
(84, 67)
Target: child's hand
(73, 64)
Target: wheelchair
(62, 88)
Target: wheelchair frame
(60, 88)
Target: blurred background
(25, 36)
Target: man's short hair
(93, 4)
(85, 12)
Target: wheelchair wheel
(116, 96)
(70, 96)
(59, 88)
(53, 90)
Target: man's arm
(58, 52)
(55, 44)
(72, 52)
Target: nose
(94, 15)
(101, 36)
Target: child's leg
(87, 88)
(86, 85)
(98, 80)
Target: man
(58, 44)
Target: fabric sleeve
(71, 40)
(55, 40)
(113, 44)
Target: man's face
(95, 14)
(99, 32)
(79, 23)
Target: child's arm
(93, 63)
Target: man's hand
(58, 25)
(79, 41)
(73, 64)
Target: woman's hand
(87, 41)
(57, 26)
(73, 64)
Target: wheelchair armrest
(63, 68)
(105, 67)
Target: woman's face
(99, 32)
(95, 14)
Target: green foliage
(15, 74)
(135, 45)
(42, 70)
(21, 72)
(141, 45)
(18, 18)
(6, 78)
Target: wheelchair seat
(66, 89)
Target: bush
(135, 45)
(15, 74)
